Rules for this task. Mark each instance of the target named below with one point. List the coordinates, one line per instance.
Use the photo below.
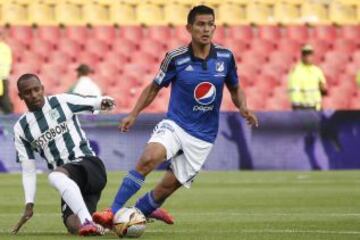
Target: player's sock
(130, 185)
(71, 194)
(147, 204)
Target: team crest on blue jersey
(220, 66)
(205, 93)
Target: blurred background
(122, 42)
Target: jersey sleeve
(23, 148)
(81, 104)
(167, 72)
(232, 77)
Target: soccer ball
(129, 222)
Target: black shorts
(90, 175)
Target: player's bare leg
(153, 155)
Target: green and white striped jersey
(54, 131)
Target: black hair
(25, 77)
(199, 10)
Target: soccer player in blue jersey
(197, 74)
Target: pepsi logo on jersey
(204, 94)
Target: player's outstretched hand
(107, 103)
(250, 118)
(28, 213)
(126, 123)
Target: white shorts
(187, 154)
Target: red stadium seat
(152, 47)
(275, 70)
(236, 45)
(355, 103)
(351, 32)
(21, 33)
(263, 46)
(265, 84)
(298, 33)
(255, 101)
(88, 58)
(26, 67)
(345, 45)
(219, 35)
(41, 47)
(253, 57)
(250, 71)
(352, 68)
(77, 33)
(243, 32)
(289, 46)
(51, 34)
(277, 104)
(356, 57)
(159, 33)
(143, 59)
(30, 56)
(105, 34)
(337, 58)
(124, 47)
(96, 47)
(174, 43)
(60, 58)
(132, 33)
(282, 58)
(69, 47)
(114, 59)
(17, 48)
(325, 32)
(182, 34)
(269, 32)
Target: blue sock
(147, 204)
(130, 185)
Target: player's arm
(322, 83)
(87, 104)
(239, 100)
(238, 95)
(164, 77)
(25, 155)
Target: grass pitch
(220, 205)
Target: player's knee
(148, 162)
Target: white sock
(71, 194)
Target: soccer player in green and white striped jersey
(52, 129)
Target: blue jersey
(197, 87)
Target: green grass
(220, 205)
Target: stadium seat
(287, 13)
(320, 46)
(41, 47)
(132, 33)
(231, 14)
(14, 13)
(50, 34)
(277, 104)
(345, 46)
(242, 32)
(175, 14)
(182, 34)
(26, 67)
(314, 13)
(298, 33)
(159, 33)
(275, 71)
(352, 68)
(77, 33)
(96, 47)
(152, 47)
(114, 59)
(69, 47)
(356, 57)
(282, 58)
(270, 33)
(325, 32)
(59, 58)
(337, 58)
(263, 46)
(89, 58)
(174, 43)
(23, 34)
(149, 14)
(124, 47)
(351, 32)
(96, 13)
(289, 46)
(259, 13)
(253, 57)
(105, 34)
(237, 46)
(342, 13)
(68, 14)
(219, 35)
(41, 13)
(122, 14)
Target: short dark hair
(199, 10)
(25, 77)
